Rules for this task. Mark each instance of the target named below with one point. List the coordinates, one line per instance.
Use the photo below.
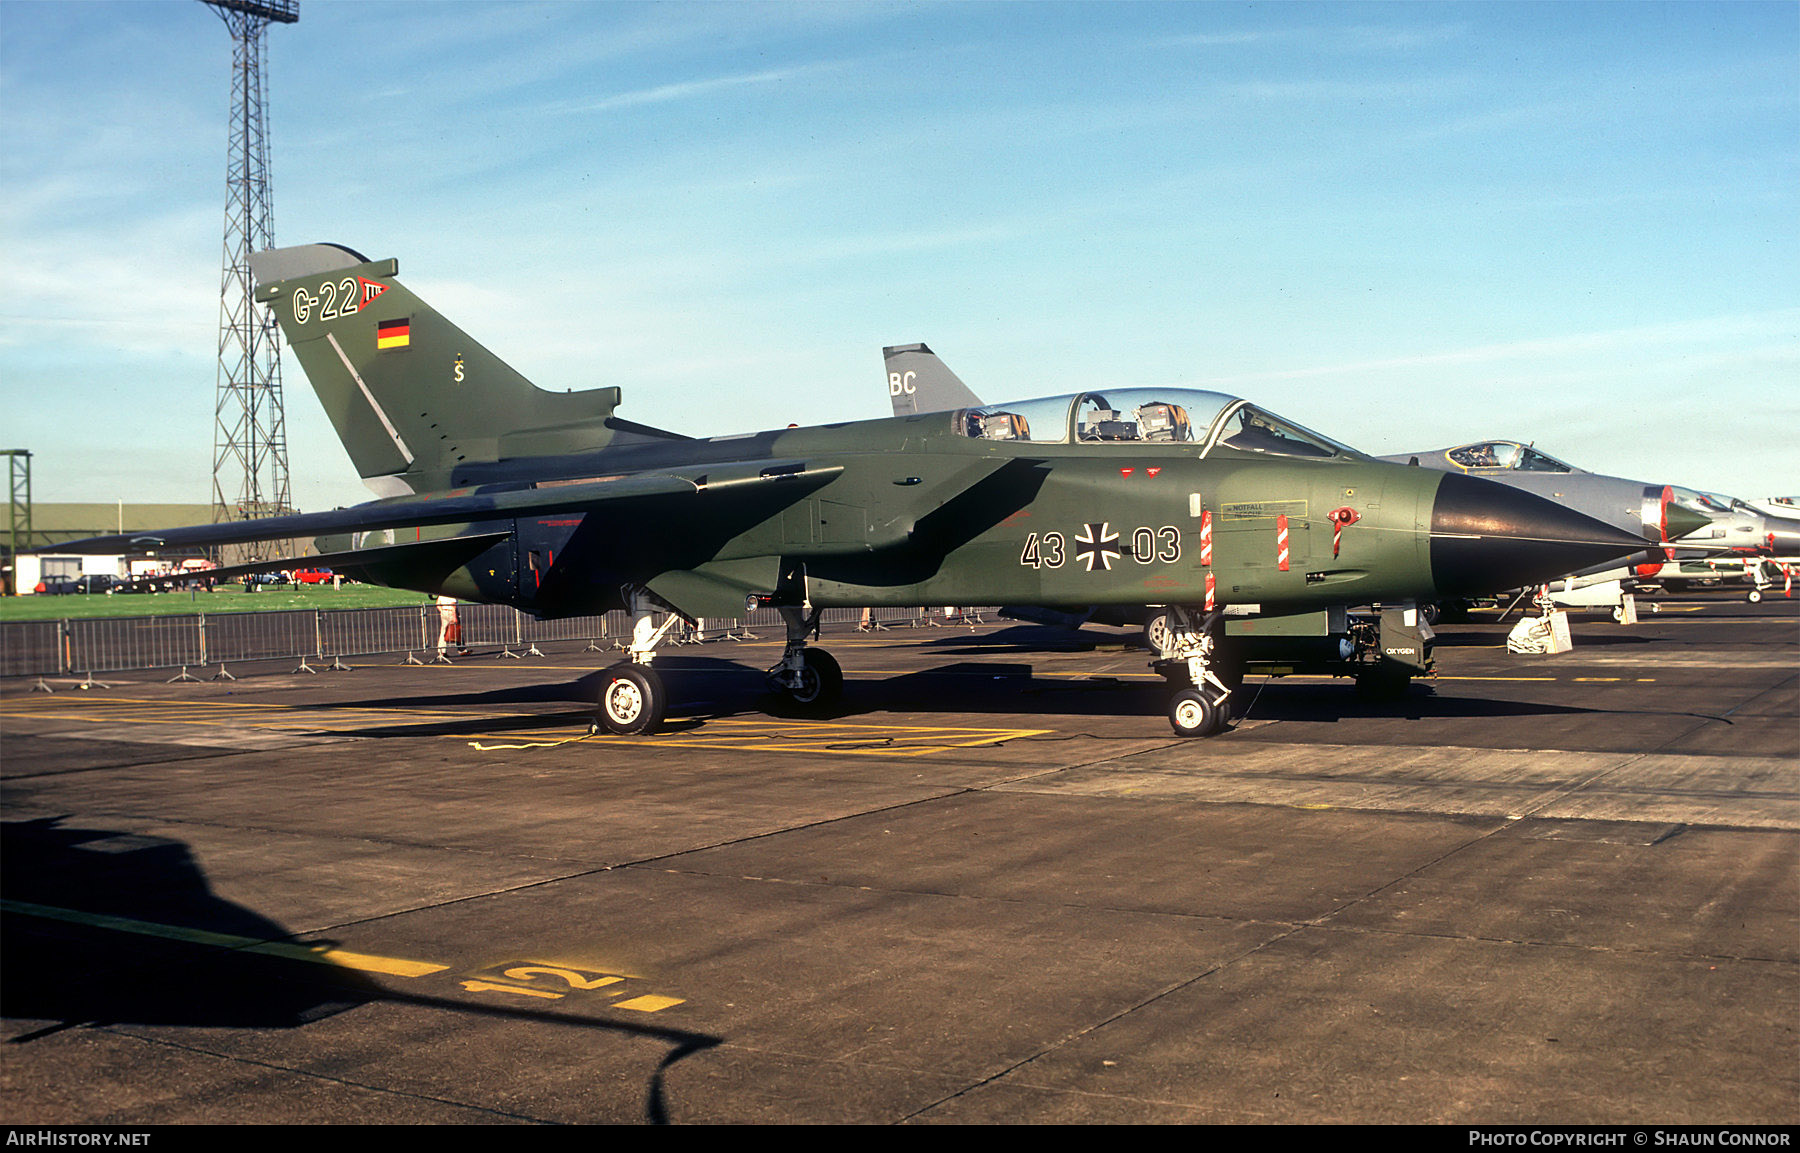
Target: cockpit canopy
(1504, 454)
(1709, 503)
(1206, 420)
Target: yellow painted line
(491, 987)
(344, 959)
(791, 736)
(285, 718)
(772, 734)
(648, 1003)
(127, 925)
(830, 737)
(147, 704)
(339, 958)
(1581, 680)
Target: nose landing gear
(1186, 644)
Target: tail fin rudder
(411, 395)
(919, 382)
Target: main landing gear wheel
(1193, 714)
(1157, 632)
(632, 700)
(821, 681)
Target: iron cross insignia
(1097, 544)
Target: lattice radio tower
(250, 461)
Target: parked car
(55, 586)
(313, 576)
(94, 582)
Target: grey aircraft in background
(1682, 518)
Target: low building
(55, 522)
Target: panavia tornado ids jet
(494, 490)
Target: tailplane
(412, 397)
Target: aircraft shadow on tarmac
(1037, 639)
(78, 970)
(1449, 639)
(705, 687)
(103, 927)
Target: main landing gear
(1187, 655)
(633, 699)
(810, 678)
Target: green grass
(226, 599)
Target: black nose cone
(1488, 537)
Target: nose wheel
(1192, 713)
(1186, 642)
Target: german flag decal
(391, 334)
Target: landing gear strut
(633, 698)
(1187, 654)
(809, 678)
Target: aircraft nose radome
(1488, 537)
(1683, 520)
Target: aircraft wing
(459, 548)
(460, 507)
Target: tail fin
(411, 396)
(919, 382)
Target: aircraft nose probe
(1488, 537)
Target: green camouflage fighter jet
(494, 490)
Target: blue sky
(1405, 225)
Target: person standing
(449, 628)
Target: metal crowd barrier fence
(194, 640)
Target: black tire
(1754, 596)
(1156, 632)
(632, 700)
(821, 681)
(1193, 714)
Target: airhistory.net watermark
(65, 1138)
